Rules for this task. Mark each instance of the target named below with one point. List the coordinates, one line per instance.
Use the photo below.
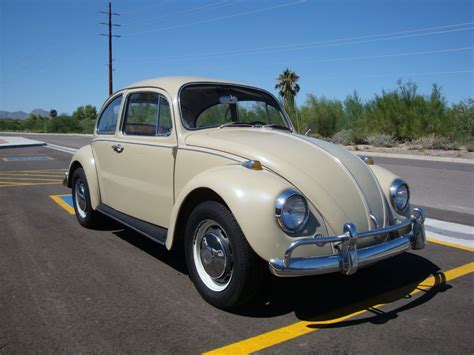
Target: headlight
(399, 195)
(291, 211)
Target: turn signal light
(253, 165)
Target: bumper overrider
(348, 258)
(65, 179)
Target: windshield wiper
(235, 124)
(276, 126)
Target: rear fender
(84, 158)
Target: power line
(330, 43)
(221, 17)
(110, 35)
(219, 4)
(448, 50)
(467, 71)
(143, 8)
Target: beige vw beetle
(217, 167)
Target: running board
(152, 231)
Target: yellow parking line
(298, 329)
(60, 202)
(33, 171)
(13, 183)
(29, 179)
(33, 174)
(462, 247)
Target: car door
(136, 166)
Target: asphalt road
(445, 190)
(66, 289)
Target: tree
(53, 113)
(288, 88)
(85, 112)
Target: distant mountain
(20, 115)
(39, 112)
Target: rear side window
(108, 118)
(147, 114)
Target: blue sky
(51, 55)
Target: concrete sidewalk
(16, 142)
(412, 157)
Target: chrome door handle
(118, 148)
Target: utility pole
(110, 35)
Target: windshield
(215, 105)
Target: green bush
(401, 113)
(322, 115)
(382, 140)
(344, 137)
(469, 146)
(433, 142)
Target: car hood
(337, 183)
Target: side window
(108, 119)
(147, 114)
(141, 116)
(164, 120)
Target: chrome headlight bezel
(280, 204)
(396, 185)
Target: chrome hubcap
(212, 255)
(80, 197)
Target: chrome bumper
(349, 258)
(65, 179)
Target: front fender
(250, 195)
(84, 157)
(385, 179)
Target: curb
(413, 157)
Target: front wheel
(222, 265)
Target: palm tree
(288, 88)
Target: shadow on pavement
(325, 297)
(174, 258)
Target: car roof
(172, 84)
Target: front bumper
(348, 258)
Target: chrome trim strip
(210, 153)
(171, 146)
(348, 259)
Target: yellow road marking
(26, 175)
(462, 247)
(298, 329)
(10, 184)
(29, 179)
(62, 203)
(33, 171)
